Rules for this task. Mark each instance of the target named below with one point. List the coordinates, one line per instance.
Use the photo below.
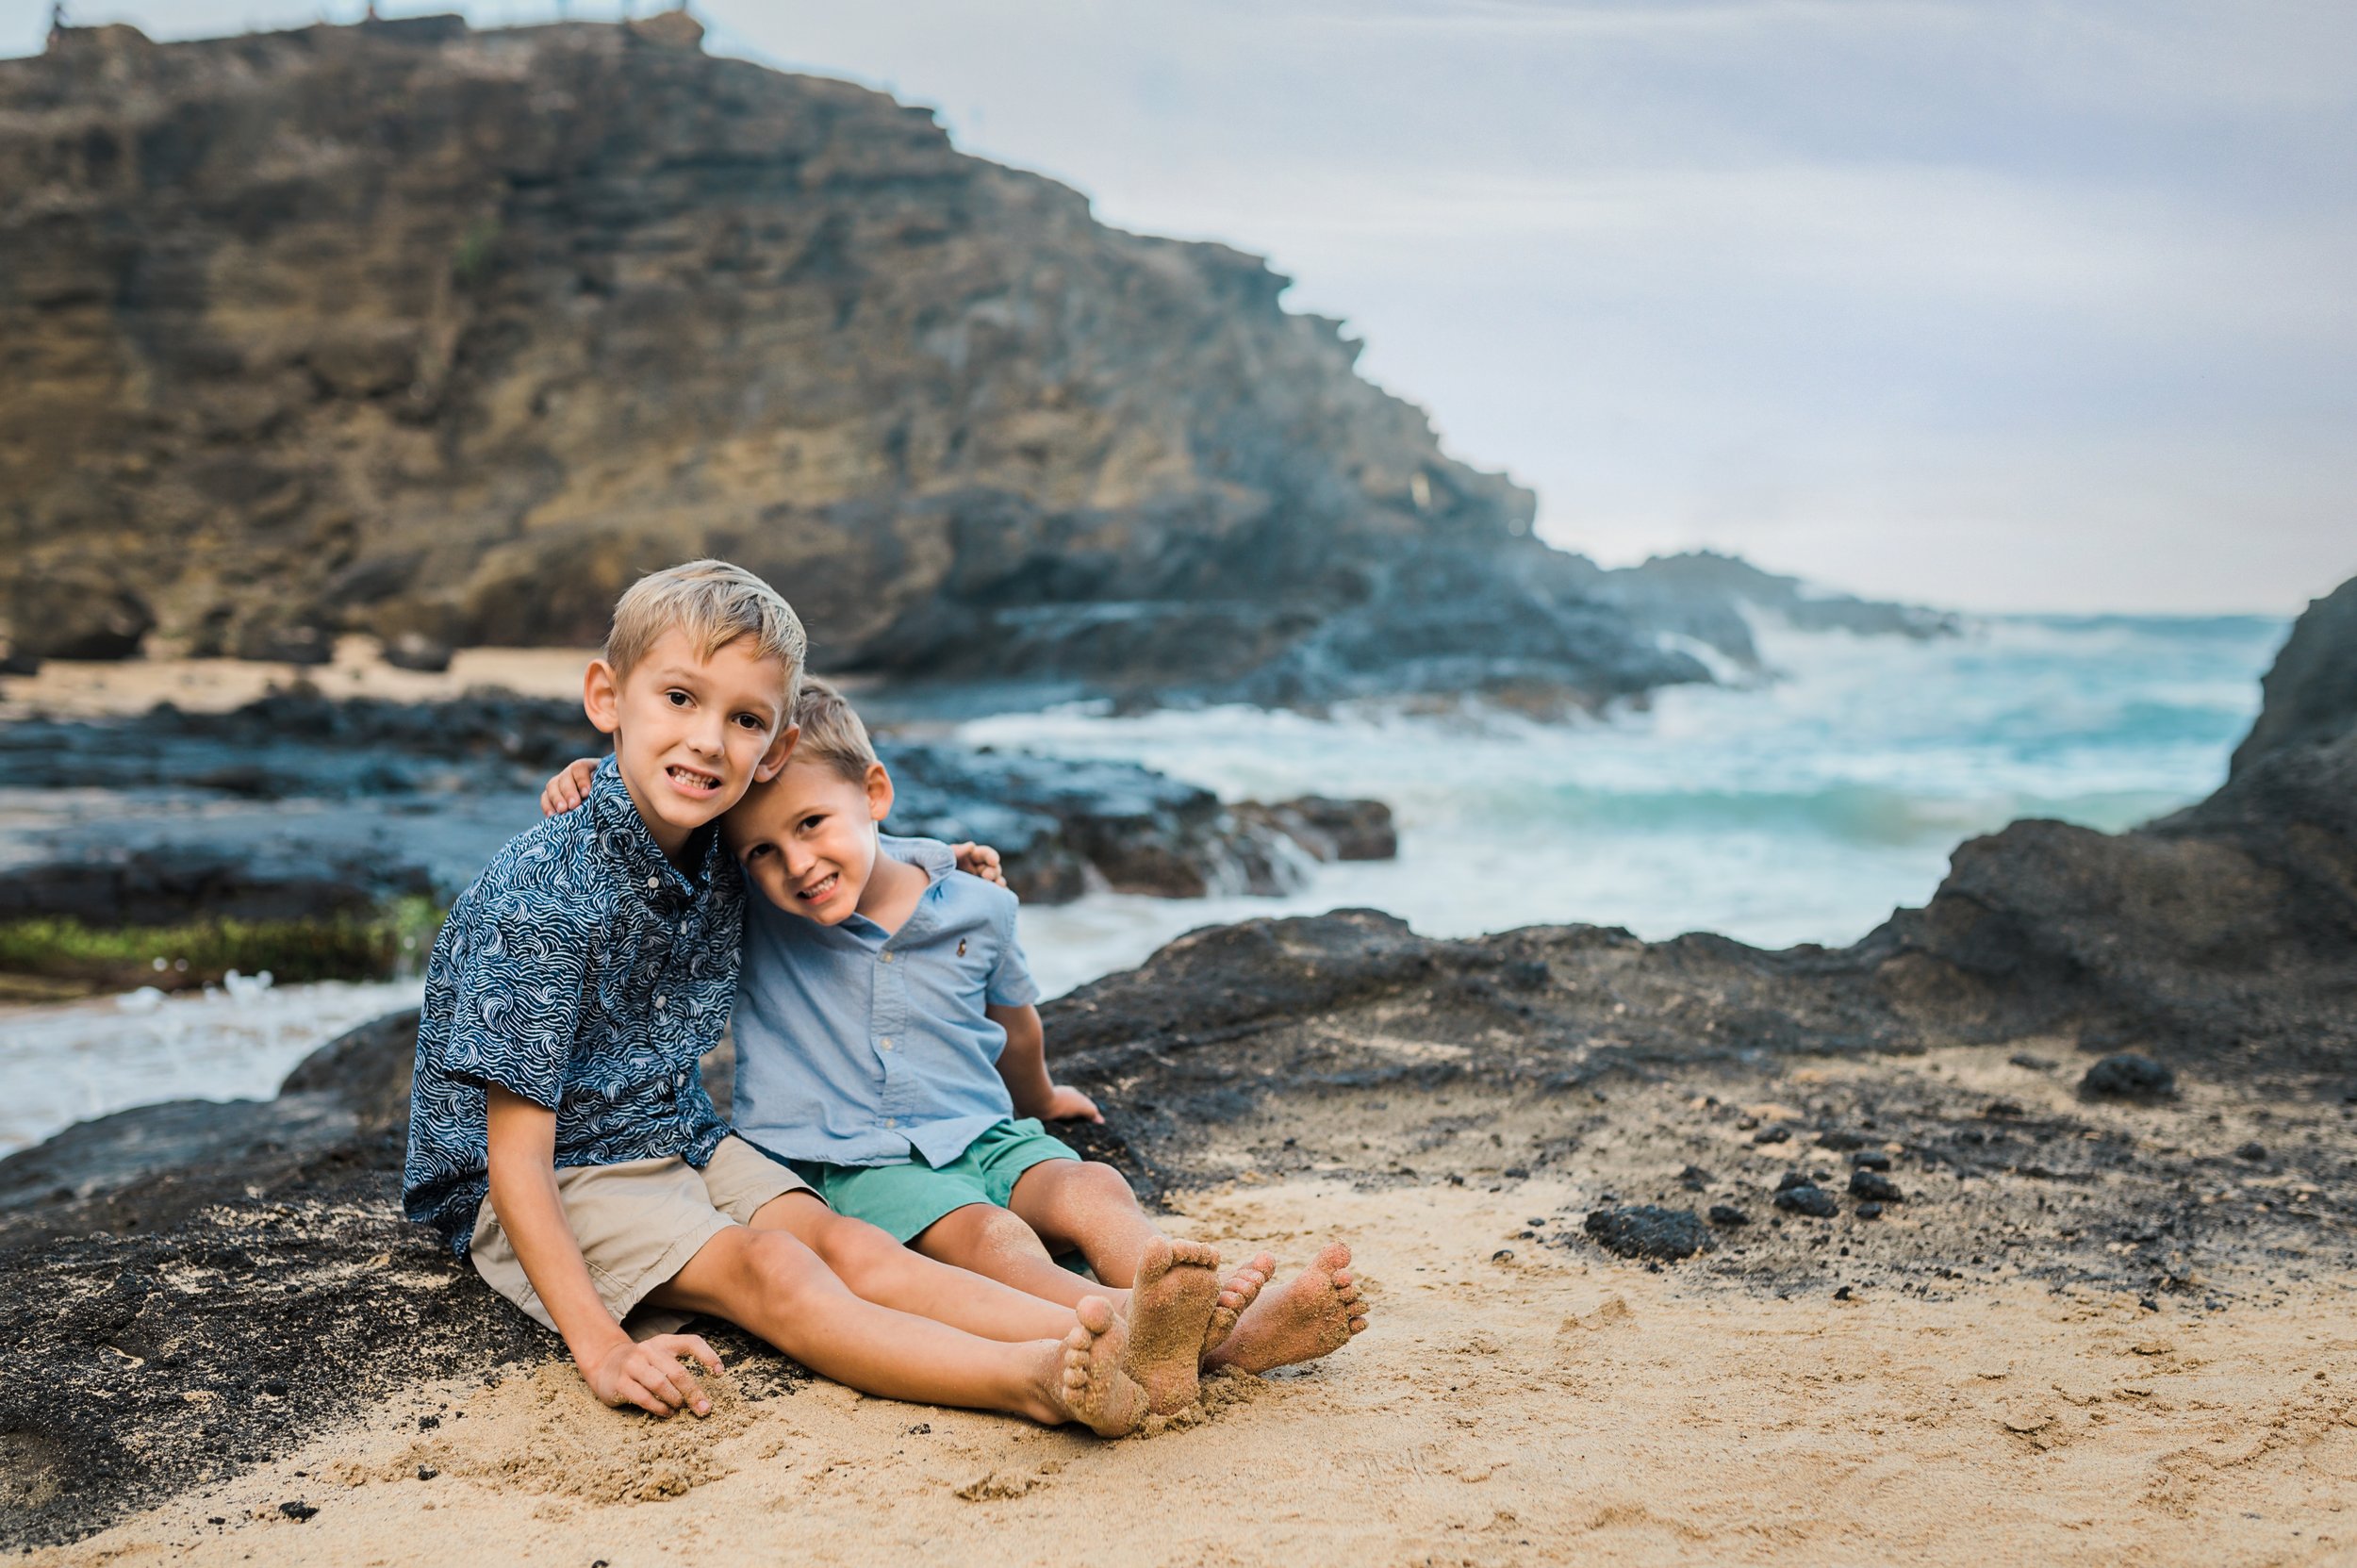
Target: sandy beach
(1512, 1403)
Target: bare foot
(1236, 1293)
(1170, 1307)
(1313, 1315)
(1087, 1381)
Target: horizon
(1884, 342)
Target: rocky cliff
(412, 329)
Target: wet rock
(2129, 1075)
(1811, 1200)
(1647, 1230)
(416, 651)
(1728, 1215)
(1328, 829)
(1875, 1187)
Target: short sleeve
(1010, 983)
(515, 1004)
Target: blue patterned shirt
(856, 1046)
(586, 973)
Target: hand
(649, 1375)
(569, 788)
(979, 860)
(1067, 1103)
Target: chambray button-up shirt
(856, 1046)
(588, 974)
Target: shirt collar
(928, 855)
(627, 843)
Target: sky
(2005, 305)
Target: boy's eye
(757, 852)
(810, 822)
(751, 721)
(677, 698)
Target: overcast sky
(2009, 306)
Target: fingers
(630, 1391)
(703, 1352)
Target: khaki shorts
(638, 1224)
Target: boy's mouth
(819, 892)
(692, 780)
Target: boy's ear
(879, 792)
(602, 696)
(780, 751)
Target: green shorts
(906, 1196)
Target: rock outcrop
(447, 335)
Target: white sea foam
(1803, 810)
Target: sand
(1514, 1402)
(75, 688)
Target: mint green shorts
(906, 1196)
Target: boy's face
(691, 733)
(807, 839)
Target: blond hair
(832, 733)
(714, 603)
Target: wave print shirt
(588, 974)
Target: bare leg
(1086, 1207)
(993, 1241)
(1313, 1315)
(772, 1285)
(876, 1268)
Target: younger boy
(887, 1042)
(559, 1134)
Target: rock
(2036, 1064)
(416, 651)
(297, 1511)
(1772, 1135)
(14, 662)
(507, 349)
(2129, 1075)
(1839, 1142)
(1811, 1200)
(1693, 1178)
(1875, 1187)
(2311, 692)
(1869, 1211)
(1727, 1215)
(2253, 1151)
(1646, 1230)
(1330, 829)
(2002, 1109)
(1792, 1179)
(1870, 1159)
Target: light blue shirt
(856, 1046)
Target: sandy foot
(1171, 1303)
(1315, 1315)
(1526, 1404)
(1236, 1294)
(1092, 1386)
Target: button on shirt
(856, 1046)
(588, 974)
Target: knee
(857, 1251)
(1100, 1183)
(779, 1268)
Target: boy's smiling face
(807, 838)
(691, 733)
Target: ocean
(1798, 807)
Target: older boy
(559, 1134)
(887, 1043)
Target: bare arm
(1024, 1066)
(522, 1139)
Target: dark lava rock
(2036, 1064)
(2129, 1075)
(2253, 1151)
(1869, 1211)
(1772, 1135)
(2311, 693)
(297, 1511)
(2002, 1109)
(1728, 1215)
(416, 651)
(1693, 1178)
(1330, 829)
(1875, 1187)
(1813, 1201)
(1840, 1143)
(1870, 1159)
(19, 663)
(1647, 1230)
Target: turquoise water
(1802, 809)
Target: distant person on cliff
(559, 1136)
(887, 1044)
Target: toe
(1096, 1313)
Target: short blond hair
(832, 733)
(714, 603)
